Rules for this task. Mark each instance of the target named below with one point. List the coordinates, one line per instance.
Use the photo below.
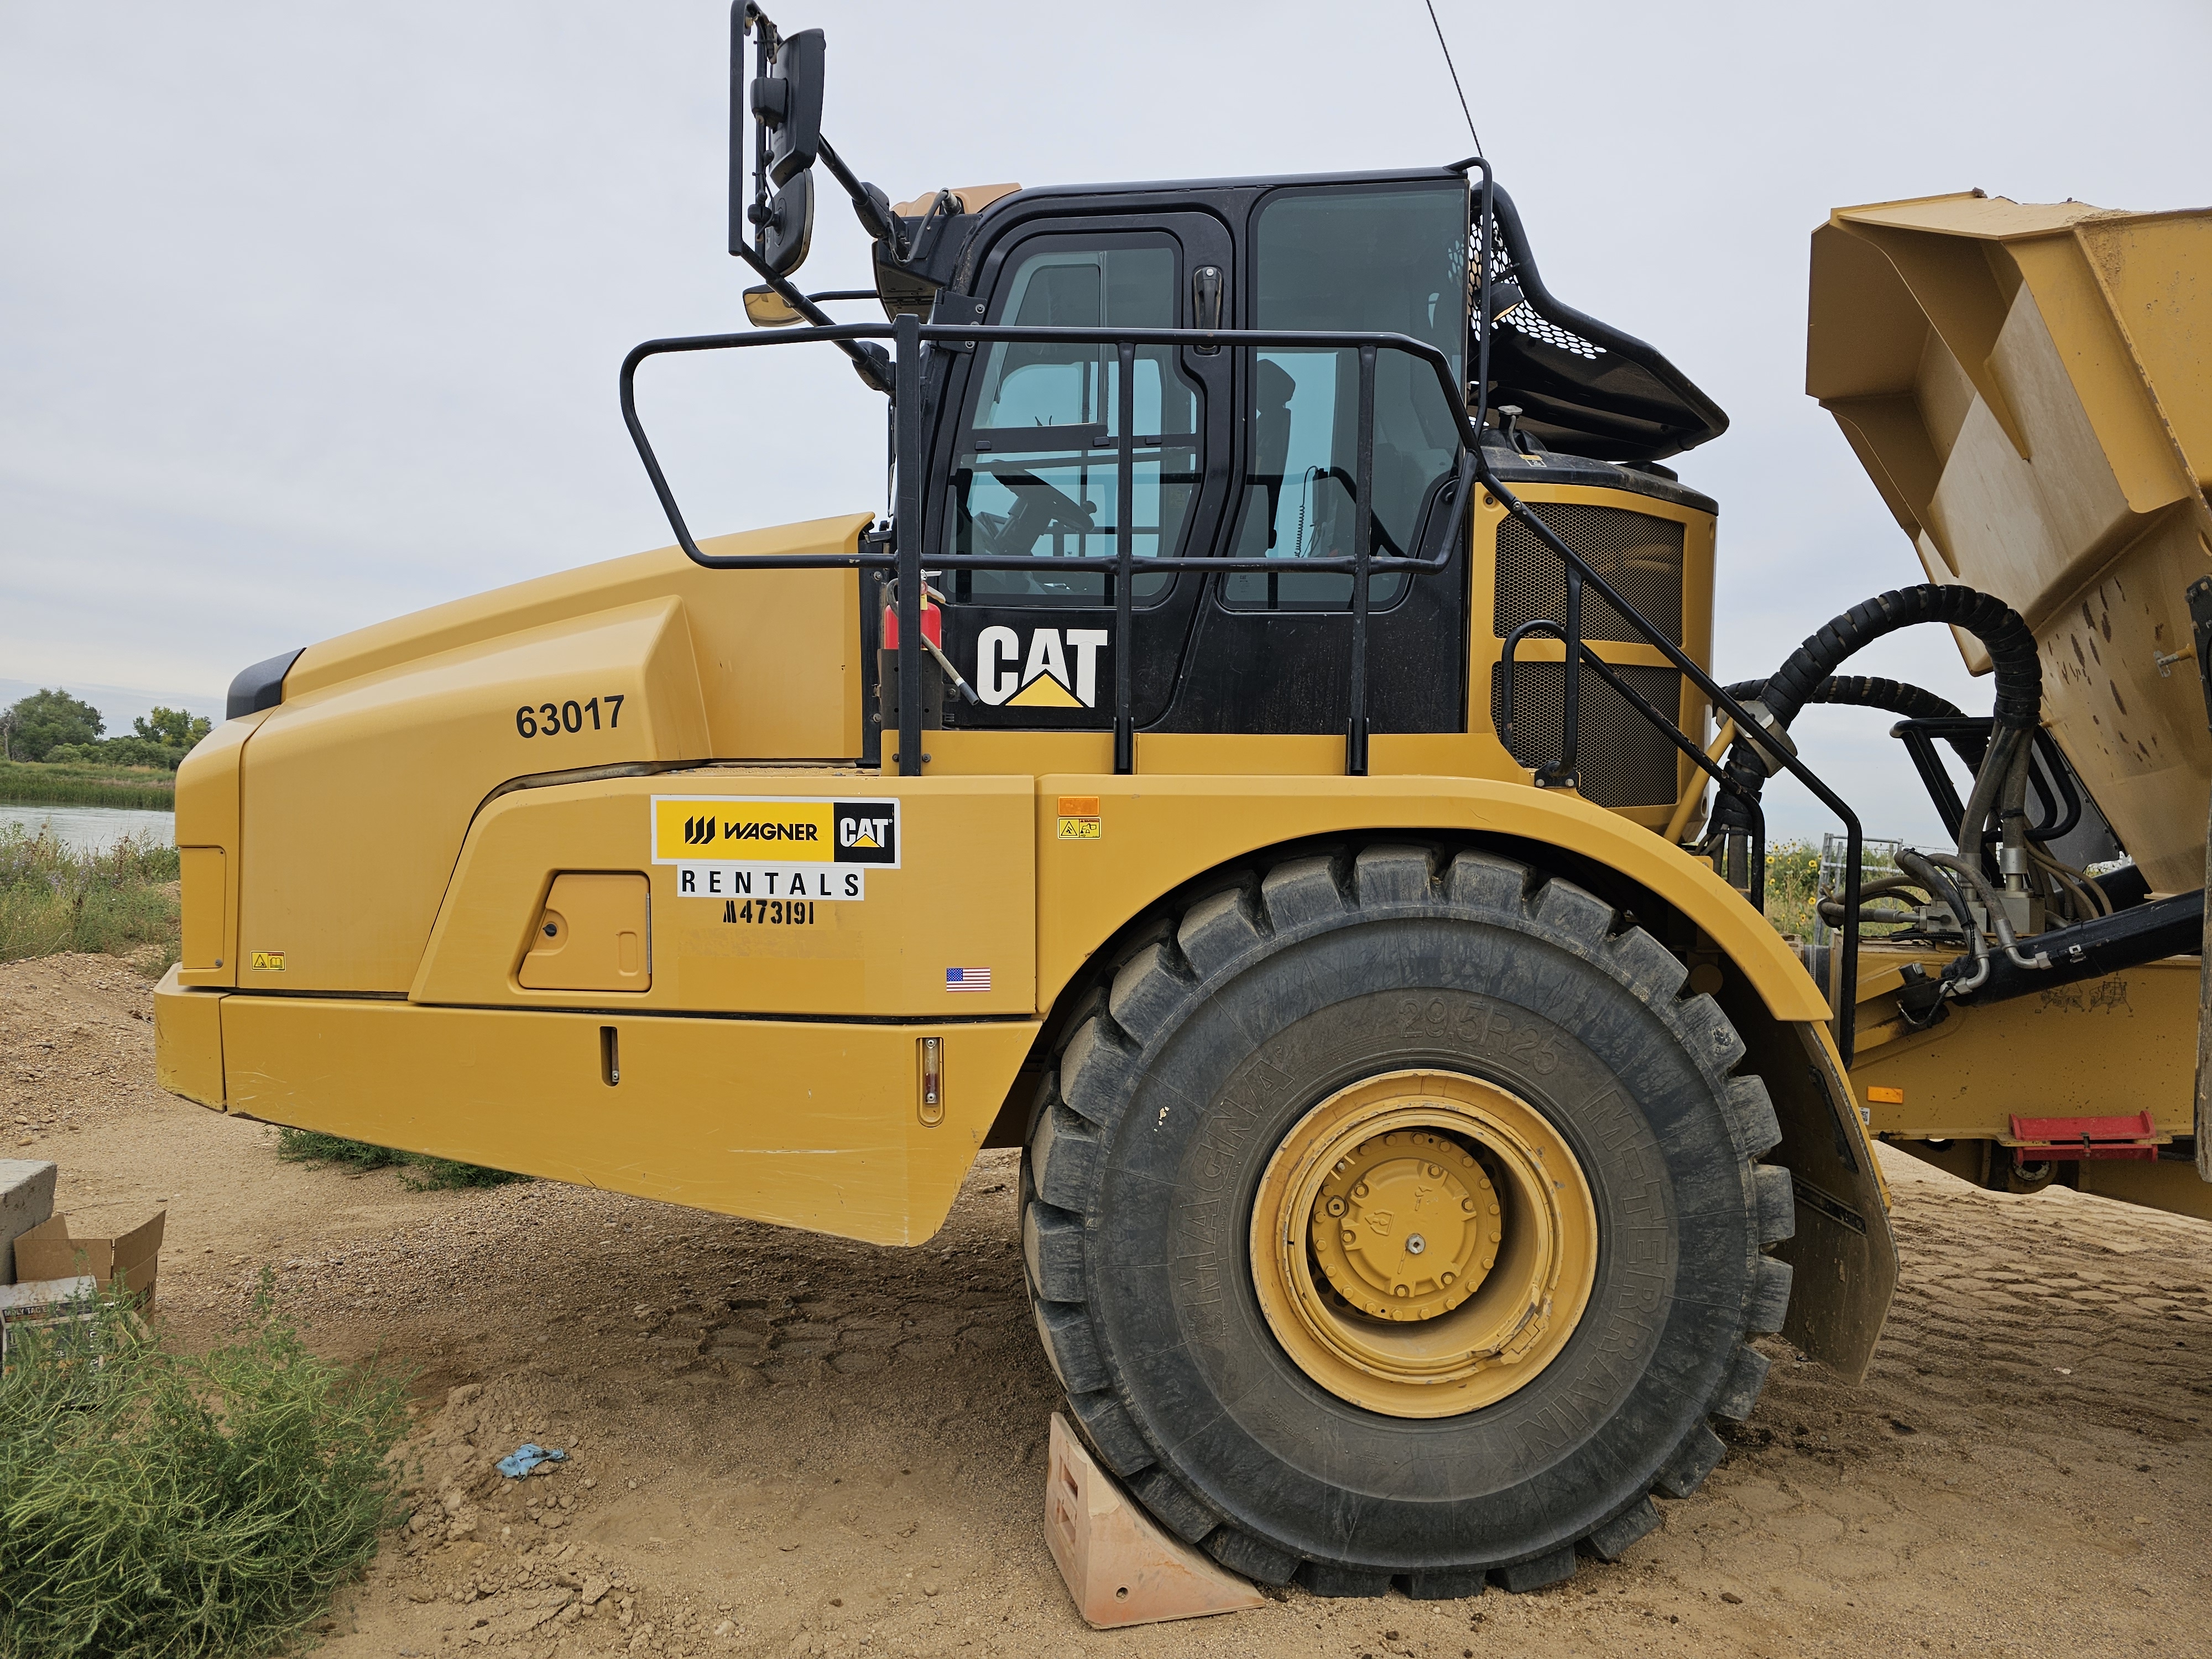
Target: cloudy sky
(310, 314)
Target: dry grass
(123, 902)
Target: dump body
(2030, 387)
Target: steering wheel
(1037, 507)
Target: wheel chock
(1120, 1566)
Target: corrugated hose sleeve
(2019, 703)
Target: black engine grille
(1641, 555)
(1623, 759)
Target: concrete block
(1121, 1566)
(26, 1199)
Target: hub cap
(1422, 1243)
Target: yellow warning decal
(268, 962)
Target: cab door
(1271, 651)
(1027, 464)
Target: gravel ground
(780, 1444)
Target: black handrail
(1667, 726)
(1846, 1009)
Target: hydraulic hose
(2019, 706)
(1892, 696)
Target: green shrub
(165, 1506)
(429, 1174)
(118, 901)
(109, 752)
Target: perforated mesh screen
(1523, 318)
(1639, 555)
(1624, 760)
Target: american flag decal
(967, 979)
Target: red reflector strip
(2037, 1140)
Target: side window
(1037, 467)
(1391, 260)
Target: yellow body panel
(341, 878)
(965, 897)
(814, 1124)
(1157, 832)
(188, 1041)
(2026, 387)
(207, 823)
(2100, 1047)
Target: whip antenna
(1456, 87)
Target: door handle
(1206, 285)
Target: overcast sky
(310, 314)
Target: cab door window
(1036, 466)
(1390, 260)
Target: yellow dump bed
(2030, 388)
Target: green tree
(173, 728)
(46, 719)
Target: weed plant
(118, 901)
(425, 1173)
(162, 1506)
(1793, 886)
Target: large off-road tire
(1239, 1143)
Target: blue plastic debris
(528, 1457)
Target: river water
(90, 829)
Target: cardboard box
(47, 1301)
(55, 1249)
(26, 1198)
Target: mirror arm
(881, 224)
(870, 360)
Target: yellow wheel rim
(1424, 1243)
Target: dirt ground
(790, 1445)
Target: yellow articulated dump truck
(1265, 764)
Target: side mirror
(766, 308)
(788, 231)
(787, 103)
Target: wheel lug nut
(1335, 1207)
(1431, 1171)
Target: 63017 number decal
(550, 720)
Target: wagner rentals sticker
(739, 847)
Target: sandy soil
(785, 1444)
